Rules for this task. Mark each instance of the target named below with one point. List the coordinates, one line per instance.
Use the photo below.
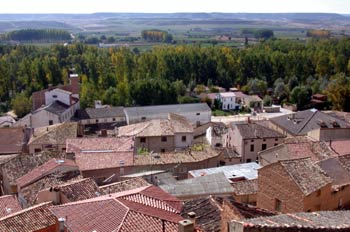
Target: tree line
(156, 36)
(164, 74)
(38, 35)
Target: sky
(172, 6)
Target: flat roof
(246, 170)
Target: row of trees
(38, 35)
(162, 74)
(156, 36)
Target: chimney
(192, 217)
(186, 226)
(248, 120)
(103, 133)
(61, 222)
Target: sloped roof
(321, 221)
(132, 210)
(125, 185)
(176, 108)
(79, 190)
(307, 176)
(337, 169)
(35, 218)
(9, 205)
(302, 122)
(56, 107)
(214, 184)
(245, 187)
(44, 170)
(11, 140)
(342, 147)
(256, 131)
(105, 112)
(55, 134)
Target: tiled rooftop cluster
(123, 185)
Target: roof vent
(8, 210)
(61, 161)
(335, 124)
(322, 124)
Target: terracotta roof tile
(45, 169)
(125, 185)
(79, 190)
(306, 175)
(342, 147)
(35, 218)
(132, 210)
(255, 131)
(11, 140)
(8, 205)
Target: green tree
(21, 104)
(300, 96)
(338, 92)
(267, 101)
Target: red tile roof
(11, 140)
(35, 218)
(125, 185)
(47, 168)
(341, 147)
(8, 205)
(133, 210)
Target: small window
(164, 138)
(263, 146)
(252, 140)
(50, 122)
(252, 147)
(142, 139)
(96, 120)
(64, 149)
(162, 150)
(54, 96)
(113, 119)
(278, 204)
(37, 150)
(264, 140)
(275, 144)
(249, 160)
(183, 138)
(198, 113)
(276, 139)
(143, 118)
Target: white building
(228, 101)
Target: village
(174, 167)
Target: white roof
(227, 94)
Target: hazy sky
(157, 6)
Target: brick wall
(274, 182)
(228, 214)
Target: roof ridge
(307, 121)
(26, 210)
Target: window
(54, 96)
(252, 140)
(37, 150)
(275, 144)
(183, 138)
(198, 123)
(249, 160)
(142, 140)
(96, 120)
(164, 138)
(264, 140)
(263, 146)
(252, 147)
(276, 139)
(113, 119)
(198, 113)
(278, 204)
(143, 118)
(50, 122)
(162, 150)
(64, 149)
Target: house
(229, 156)
(160, 135)
(196, 113)
(13, 140)
(233, 173)
(105, 159)
(9, 205)
(146, 208)
(212, 214)
(211, 96)
(302, 122)
(213, 184)
(36, 219)
(301, 222)
(249, 139)
(7, 121)
(297, 185)
(245, 191)
(72, 191)
(228, 101)
(43, 97)
(216, 134)
(53, 137)
(101, 118)
(17, 166)
(294, 148)
(53, 166)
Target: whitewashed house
(228, 101)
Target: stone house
(216, 134)
(196, 113)
(245, 191)
(53, 137)
(294, 186)
(249, 139)
(160, 135)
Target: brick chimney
(74, 82)
(186, 226)
(61, 226)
